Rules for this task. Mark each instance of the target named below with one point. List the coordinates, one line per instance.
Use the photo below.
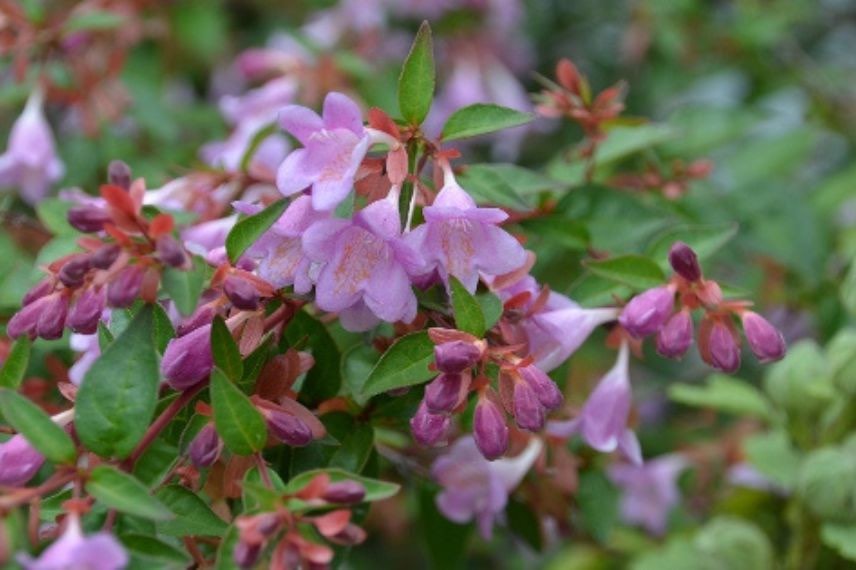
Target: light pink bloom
(91, 349)
(650, 491)
(73, 550)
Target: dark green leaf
(468, 314)
(247, 231)
(117, 399)
(416, 83)
(121, 491)
(40, 431)
(445, 541)
(404, 364)
(480, 119)
(238, 421)
(192, 515)
(153, 550)
(355, 449)
(487, 186)
(324, 378)
(227, 357)
(225, 560)
(163, 331)
(557, 230)
(598, 501)
(491, 307)
(634, 271)
(15, 367)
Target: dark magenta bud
(24, 321)
(242, 294)
(765, 340)
(444, 394)
(684, 261)
(489, 429)
(38, 291)
(206, 447)
(119, 174)
(548, 393)
(104, 256)
(344, 492)
(528, 410)
(723, 349)
(170, 251)
(201, 316)
(74, 271)
(427, 428)
(19, 461)
(648, 311)
(125, 287)
(87, 219)
(187, 360)
(289, 429)
(52, 318)
(86, 311)
(676, 336)
(456, 356)
(349, 536)
(245, 554)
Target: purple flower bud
(676, 336)
(19, 461)
(246, 555)
(52, 318)
(88, 219)
(489, 429)
(765, 340)
(648, 311)
(429, 429)
(206, 447)
(74, 271)
(104, 256)
(187, 360)
(684, 261)
(344, 492)
(200, 317)
(289, 429)
(25, 321)
(38, 291)
(125, 287)
(444, 393)
(241, 293)
(723, 350)
(349, 536)
(548, 393)
(528, 411)
(456, 356)
(170, 251)
(119, 174)
(86, 311)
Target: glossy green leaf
(192, 515)
(119, 490)
(227, 356)
(238, 421)
(416, 82)
(15, 366)
(405, 363)
(356, 447)
(468, 313)
(480, 119)
(634, 271)
(491, 307)
(325, 377)
(155, 551)
(37, 427)
(247, 231)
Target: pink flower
(334, 147)
(19, 461)
(650, 490)
(99, 551)
(365, 266)
(475, 488)
(30, 162)
(187, 359)
(458, 238)
(91, 349)
(648, 311)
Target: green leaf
(480, 119)
(598, 501)
(37, 427)
(227, 357)
(238, 421)
(725, 394)
(93, 20)
(225, 560)
(705, 240)
(569, 234)
(354, 452)
(118, 490)
(634, 271)
(184, 287)
(848, 290)
(118, 396)
(192, 515)
(416, 83)
(153, 550)
(487, 186)
(468, 313)
(841, 537)
(357, 363)
(53, 214)
(15, 367)
(773, 455)
(405, 363)
(324, 378)
(247, 231)
(491, 307)
(445, 541)
(376, 490)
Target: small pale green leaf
(480, 119)
(118, 490)
(491, 307)
(53, 214)
(404, 364)
(634, 271)
(375, 490)
(227, 357)
(238, 421)
(468, 313)
(774, 456)
(192, 515)
(416, 83)
(15, 367)
(27, 418)
(725, 394)
(247, 231)
(184, 287)
(92, 21)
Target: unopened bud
(489, 429)
(548, 393)
(349, 536)
(187, 360)
(246, 555)
(52, 319)
(344, 492)
(19, 461)
(676, 336)
(38, 291)
(528, 411)
(427, 428)
(125, 287)
(74, 271)
(201, 316)
(723, 349)
(684, 261)
(648, 311)
(86, 311)
(242, 294)
(170, 251)
(444, 394)
(104, 256)
(206, 447)
(24, 322)
(119, 174)
(88, 219)
(765, 340)
(456, 356)
(289, 429)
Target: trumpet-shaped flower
(650, 491)
(99, 551)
